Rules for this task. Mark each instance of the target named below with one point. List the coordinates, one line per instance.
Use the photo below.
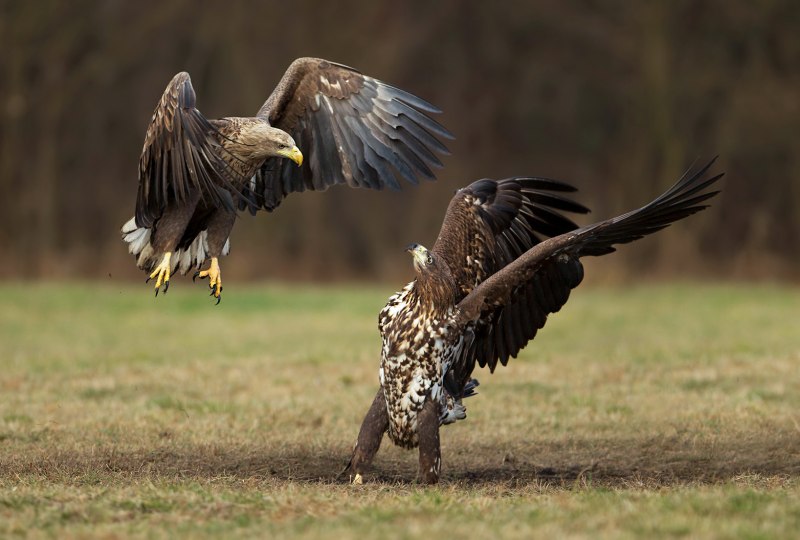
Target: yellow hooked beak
(419, 253)
(294, 154)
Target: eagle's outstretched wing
(490, 223)
(351, 129)
(180, 154)
(542, 278)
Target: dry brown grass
(656, 411)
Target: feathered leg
(370, 436)
(430, 454)
(167, 232)
(219, 229)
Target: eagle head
(424, 260)
(434, 285)
(264, 141)
(286, 147)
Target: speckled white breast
(417, 351)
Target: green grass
(656, 411)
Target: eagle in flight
(196, 173)
(481, 294)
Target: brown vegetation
(647, 411)
(616, 98)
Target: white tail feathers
(138, 240)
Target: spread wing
(181, 153)
(488, 225)
(351, 129)
(542, 278)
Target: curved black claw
(148, 280)
(166, 287)
(214, 294)
(194, 277)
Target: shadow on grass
(609, 463)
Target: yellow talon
(214, 278)
(161, 273)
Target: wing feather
(410, 136)
(488, 225)
(545, 274)
(180, 155)
(353, 128)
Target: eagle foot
(214, 278)
(161, 273)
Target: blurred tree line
(615, 97)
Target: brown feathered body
(483, 292)
(423, 342)
(197, 223)
(343, 126)
(419, 346)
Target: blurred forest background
(615, 97)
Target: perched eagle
(194, 173)
(482, 293)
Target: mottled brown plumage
(194, 173)
(482, 293)
(487, 223)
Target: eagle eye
(429, 260)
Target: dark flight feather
(489, 224)
(181, 154)
(352, 129)
(545, 274)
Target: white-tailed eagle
(481, 294)
(324, 124)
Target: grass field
(656, 411)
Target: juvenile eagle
(482, 293)
(194, 173)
